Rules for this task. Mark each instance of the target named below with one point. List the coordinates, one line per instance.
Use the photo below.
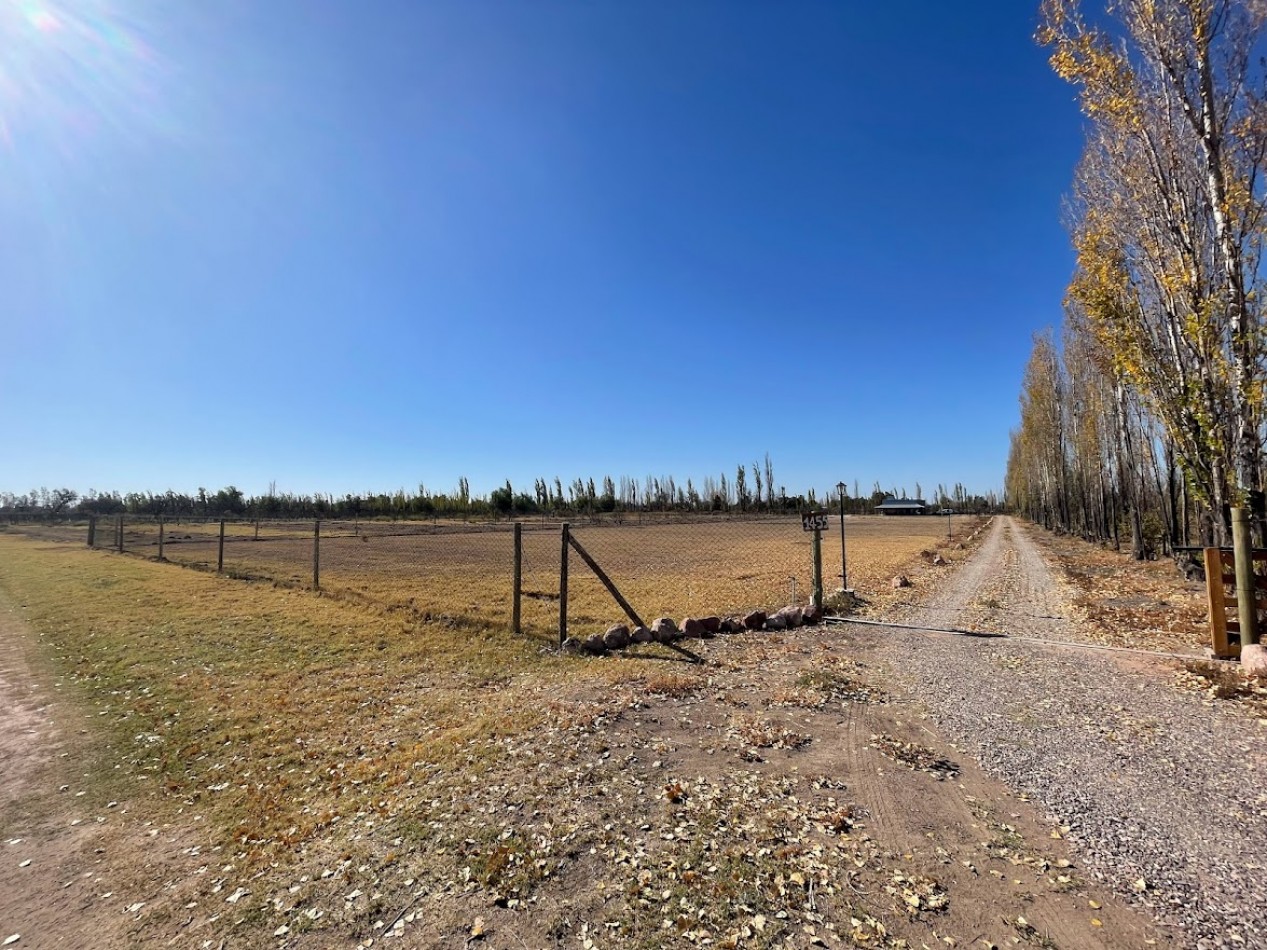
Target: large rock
(573, 646)
(617, 637)
(901, 580)
(665, 630)
(691, 627)
(641, 635)
(792, 617)
(595, 644)
(755, 620)
(1254, 660)
(733, 625)
(711, 624)
(812, 615)
(776, 622)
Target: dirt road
(52, 851)
(1162, 790)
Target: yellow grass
(241, 653)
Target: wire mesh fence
(665, 566)
(692, 569)
(458, 570)
(669, 565)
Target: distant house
(902, 506)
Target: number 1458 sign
(815, 521)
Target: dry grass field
(463, 573)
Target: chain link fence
(440, 570)
(672, 565)
(702, 568)
(465, 571)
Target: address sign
(814, 521)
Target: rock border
(667, 630)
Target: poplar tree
(1168, 217)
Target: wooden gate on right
(1220, 585)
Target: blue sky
(358, 246)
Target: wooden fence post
(1214, 585)
(816, 547)
(220, 551)
(160, 538)
(92, 531)
(118, 534)
(316, 555)
(563, 586)
(519, 566)
(1246, 595)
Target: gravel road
(1163, 792)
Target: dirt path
(1162, 791)
(51, 851)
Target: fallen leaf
(477, 928)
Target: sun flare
(71, 70)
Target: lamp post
(844, 572)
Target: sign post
(816, 522)
(844, 564)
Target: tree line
(752, 489)
(1145, 426)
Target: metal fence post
(519, 565)
(1246, 596)
(316, 555)
(563, 585)
(220, 551)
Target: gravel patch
(1162, 790)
